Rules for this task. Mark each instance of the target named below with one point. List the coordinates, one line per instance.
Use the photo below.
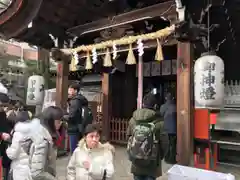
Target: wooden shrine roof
(56, 17)
(78, 16)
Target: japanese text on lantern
(32, 89)
(208, 80)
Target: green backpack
(143, 145)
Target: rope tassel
(107, 60)
(159, 52)
(74, 61)
(89, 64)
(130, 58)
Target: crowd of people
(29, 148)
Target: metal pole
(140, 82)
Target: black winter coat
(5, 127)
(75, 114)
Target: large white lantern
(3, 89)
(35, 91)
(209, 82)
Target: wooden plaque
(155, 68)
(166, 67)
(146, 69)
(174, 67)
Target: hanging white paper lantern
(209, 81)
(35, 90)
(3, 89)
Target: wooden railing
(118, 129)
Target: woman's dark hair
(49, 115)
(92, 128)
(4, 99)
(22, 116)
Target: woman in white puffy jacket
(91, 160)
(18, 151)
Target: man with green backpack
(147, 141)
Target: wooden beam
(44, 57)
(147, 45)
(62, 75)
(11, 10)
(165, 10)
(184, 103)
(106, 106)
(62, 84)
(43, 61)
(48, 28)
(217, 2)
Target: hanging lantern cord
(208, 24)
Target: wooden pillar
(44, 58)
(106, 106)
(43, 64)
(184, 103)
(62, 84)
(63, 59)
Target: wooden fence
(118, 129)
(118, 126)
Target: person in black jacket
(76, 104)
(5, 131)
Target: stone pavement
(122, 166)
